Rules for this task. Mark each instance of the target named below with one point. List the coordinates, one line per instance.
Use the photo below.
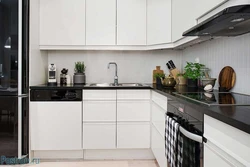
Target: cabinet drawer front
(99, 111)
(161, 100)
(233, 141)
(133, 135)
(133, 111)
(158, 118)
(133, 94)
(56, 125)
(99, 136)
(99, 94)
(158, 147)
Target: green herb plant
(159, 75)
(192, 70)
(79, 67)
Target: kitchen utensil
(169, 81)
(63, 76)
(227, 78)
(173, 70)
(207, 81)
(208, 88)
(158, 70)
(52, 75)
(180, 80)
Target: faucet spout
(116, 77)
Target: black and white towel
(171, 140)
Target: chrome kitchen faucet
(116, 77)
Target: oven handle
(192, 136)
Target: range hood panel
(232, 21)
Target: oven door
(194, 117)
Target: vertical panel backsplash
(133, 66)
(215, 54)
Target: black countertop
(236, 116)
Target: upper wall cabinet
(131, 22)
(186, 13)
(100, 22)
(159, 16)
(62, 22)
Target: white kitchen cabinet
(99, 136)
(159, 18)
(160, 100)
(133, 135)
(100, 22)
(131, 22)
(99, 95)
(158, 147)
(186, 13)
(62, 22)
(213, 158)
(127, 94)
(56, 125)
(128, 111)
(99, 111)
(230, 144)
(158, 118)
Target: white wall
(215, 54)
(38, 59)
(133, 66)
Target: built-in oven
(193, 117)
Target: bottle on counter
(68, 79)
(63, 78)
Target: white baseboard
(118, 154)
(56, 155)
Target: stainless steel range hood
(232, 21)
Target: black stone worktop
(236, 116)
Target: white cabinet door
(99, 95)
(133, 135)
(56, 125)
(100, 22)
(99, 136)
(99, 111)
(212, 158)
(159, 17)
(186, 13)
(131, 22)
(133, 110)
(158, 118)
(62, 22)
(158, 147)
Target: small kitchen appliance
(52, 75)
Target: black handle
(169, 67)
(172, 64)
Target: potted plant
(192, 73)
(79, 76)
(159, 77)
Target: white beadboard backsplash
(229, 51)
(133, 66)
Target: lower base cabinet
(158, 147)
(99, 135)
(212, 158)
(133, 135)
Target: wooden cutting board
(227, 78)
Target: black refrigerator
(14, 79)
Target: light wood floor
(129, 163)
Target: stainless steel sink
(130, 84)
(102, 84)
(112, 84)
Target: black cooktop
(217, 98)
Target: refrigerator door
(14, 126)
(9, 46)
(14, 47)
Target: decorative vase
(192, 83)
(79, 79)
